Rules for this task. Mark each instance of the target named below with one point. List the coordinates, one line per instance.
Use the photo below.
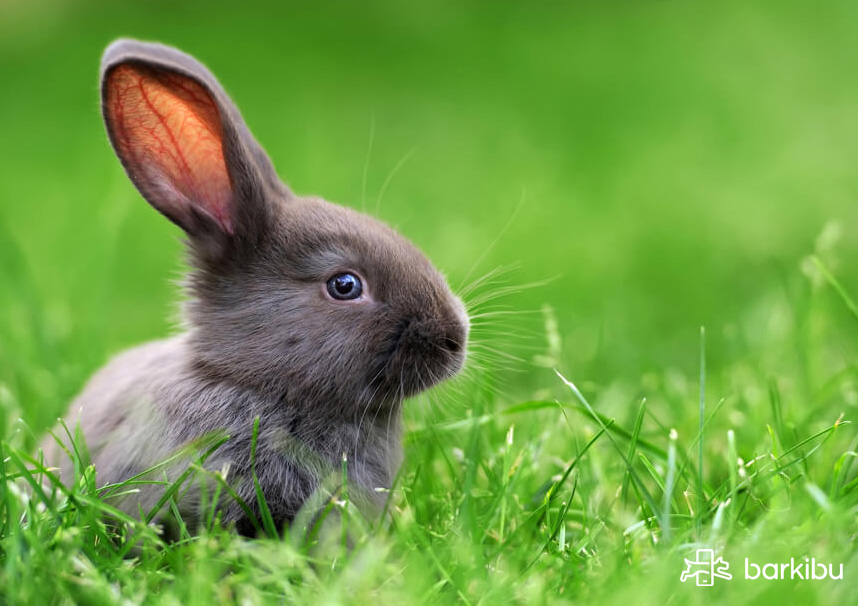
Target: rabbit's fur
(325, 377)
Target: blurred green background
(673, 164)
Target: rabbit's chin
(393, 391)
(408, 375)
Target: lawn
(659, 204)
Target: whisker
(499, 352)
(490, 277)
(504, 313)
(505, 291)
(369, 403)
(366, 164)
(493, 329)
(490, 364)
(498, 237)
(390, 176)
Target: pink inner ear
(168, 129)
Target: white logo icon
(705, 568)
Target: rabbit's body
(312, 317)
(151, 401)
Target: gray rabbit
(315, 318)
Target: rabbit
(316, 319)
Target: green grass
(649, 168)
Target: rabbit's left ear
(183, 143)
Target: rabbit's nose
(455, 336)
(456, 333)
(452, 344)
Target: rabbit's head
(308, 301)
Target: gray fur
(326, 378)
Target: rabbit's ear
(182, 141)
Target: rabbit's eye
(345, 287)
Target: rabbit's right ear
(183, 143)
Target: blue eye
(345, 287)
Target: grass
(650, 170)
(540, 501)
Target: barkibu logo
(706, 568)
